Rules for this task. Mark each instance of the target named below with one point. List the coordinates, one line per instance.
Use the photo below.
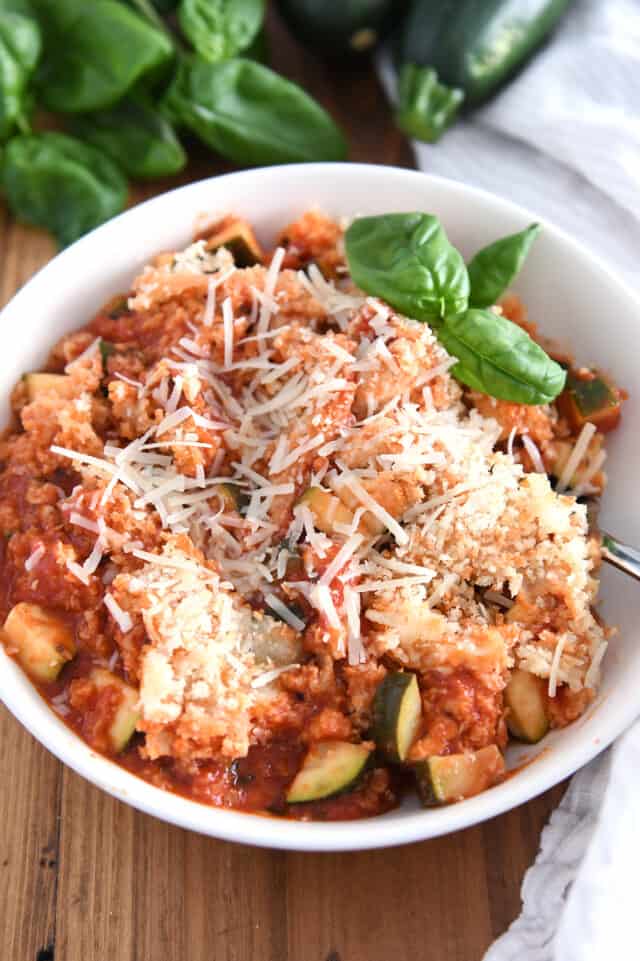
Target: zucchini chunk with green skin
(443, 780)
(239, 239)
(329, 768)
(331, 509)
(39, 383)
(126, 717)
(397, 710)
(526, 697)
(327, 509)
(232, 496)
(590, 399)
(43, 642)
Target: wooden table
(85, 878)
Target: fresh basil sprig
(497, 357)
(493, 268)
(55, 181)
(20, 45)
(219, 29)
(250, 114)
(120, 68)
(95, 52)
(407, 260)
(135, 136)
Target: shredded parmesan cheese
(347, 550)
(34, 558)
(227, 320)
(578, 452)
(283, 611)
(122, 618)
(555, 665)
(533, 453)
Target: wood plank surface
(85, 878)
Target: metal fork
(621, 555)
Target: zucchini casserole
(264, 550)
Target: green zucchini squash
(476, 45)
(350, 26)
(238, 237)
(454, 777)
(397, 710)
(590, 399)
(326, 508)
(126, 715)
(42, 641)
(526, 697)
(330, 767)
(42, 383)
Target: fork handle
(622, 556)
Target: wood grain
(85, 878)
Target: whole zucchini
(348, 26)
(477, 45)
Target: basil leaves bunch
(52, 179)
(219, 29)
(20, 44)
(136, 136)
(94, 53)
(407, 260)
(129, 76)
(250, 114)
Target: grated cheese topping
(425, 544)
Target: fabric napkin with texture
(564, 140)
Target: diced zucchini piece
(234, 497)
(442, 780)
(126, 717)
(106, 350)
(269, 640)
(327, 509)
(589, 399)
(393, 494)
(43, 641)
(239, 239)
(38, 383)
(329, 768)
(370, 525)
(397, 711)
(115, 307)
(526, 697)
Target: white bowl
(570, 294)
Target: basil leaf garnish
(407, 260)
(494, 267)
(499, 358)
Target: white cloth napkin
(564, 140)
